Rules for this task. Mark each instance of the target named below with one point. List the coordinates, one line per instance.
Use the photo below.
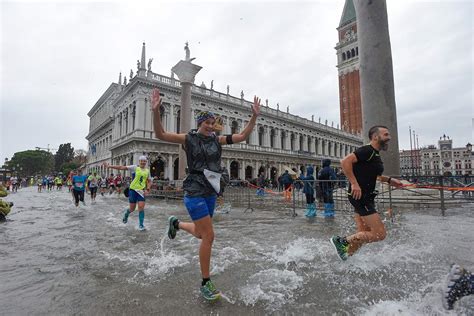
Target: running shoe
(125, 216)
(83, 203)
(209, 291)
(141, 227)
(341, 246)
(173, 223)
(457, 286)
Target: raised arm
(237, 138)
(160, 132)
(106, 165)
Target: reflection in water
(59, 259)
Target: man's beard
(383, 145)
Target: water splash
(225, 258)
(272, 287)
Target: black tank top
(202, 152)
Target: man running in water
(79, 185)
(203, 152)
(139, 188)
(362, 168)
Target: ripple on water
(224, 258)
(421, 302)
(272, 287)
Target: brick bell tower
(348, 67)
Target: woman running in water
(203, 151)
(139, 188)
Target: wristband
(228, 139)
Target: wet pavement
(57, 259)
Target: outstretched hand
(396, 183)
(105, 164)
(155, 99)
(256, 106)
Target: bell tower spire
(348, 68)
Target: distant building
(410, 162)
(348, 68)
(442, 160)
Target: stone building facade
(436, 161)
(348, 69)
(446, 160)
(121, 129)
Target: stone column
(305, 143)
(297, 142)
(170, 167)
(312, 147)
(140, 115)
(129, 120)
(288, 140)
(266, 136)
(186, 72)
(277, 139)
(241, 170)
(227, 129)
(172, 120)
(253, 136)
(376, 76)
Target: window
(260, 136)
(343, 56)
(235, 127)
(272, 137)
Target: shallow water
(58, 259)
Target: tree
(31, 162)
(80, 156)
(64, 154)
(68, 166)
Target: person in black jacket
(308, 190)
(327, 176)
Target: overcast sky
(58, 58)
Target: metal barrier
(168, 190)
(427, 192)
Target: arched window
(357, 51)
(235, 127)
(272, 137)
(309, 143)
(260, 135)
(348, 54)
(178, 120)
(343, 56)
(353, 52)
(292, 141)
(134, 110)
(301, 142)
(282, 139)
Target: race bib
(79, 184)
